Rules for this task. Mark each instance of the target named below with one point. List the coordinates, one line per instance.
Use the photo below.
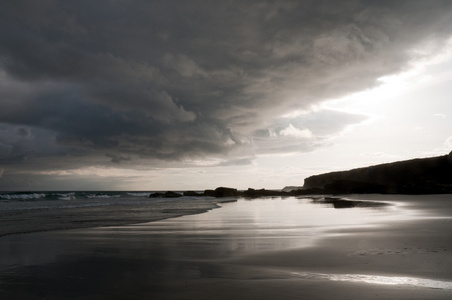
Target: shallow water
(376, 279)
(153, 257)
(264, 224)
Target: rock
(312, 191)
(291, 188)
(225, 192)
(340, 203)
(221, 192)
(168, 194)
(209, 193)
(252, 193)
(156, 195)
(191, 194)
(416, 176)
(351, 186)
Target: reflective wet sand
(263, 248)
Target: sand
(401, 254)
(36, 220)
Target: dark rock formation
(249, 193)
(252, 193)
(416, 176)
(168, 194)
(209, 193)
(225, 192)
(192, 194)
(340, 203)
(350, 186)
(311, 191)
(221, 192)
(291, 188)
(156, 195)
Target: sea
(36, 200)
(33, 211)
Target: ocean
(69, 199)
(24, 212)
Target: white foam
(66, 196)
(22, 196)
(146, 194)
(102, 196)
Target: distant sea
(23, 212)
(59, 200)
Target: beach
(266, 248)
(36, 212)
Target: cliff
(417, 176)
(290, 188)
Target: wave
(137, 194)
(24, 202)
(31, 196)
(102, 195)
(66, 196)
(22, 196)
(40, 196)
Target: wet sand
(35, 220)
(260, 249)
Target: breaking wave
(20, 201)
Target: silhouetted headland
(431, 175)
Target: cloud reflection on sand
(376, 279)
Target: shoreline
(218, 255)
(44, 220)
(14, 222)
(407, 259)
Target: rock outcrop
(417, 176)
(168, 194)
(191, 194)
(290, 188)
(225, 192)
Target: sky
(192, 95)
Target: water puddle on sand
(376, 279)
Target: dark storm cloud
(170, 80)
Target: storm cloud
(122, 82)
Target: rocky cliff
(416, 176)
